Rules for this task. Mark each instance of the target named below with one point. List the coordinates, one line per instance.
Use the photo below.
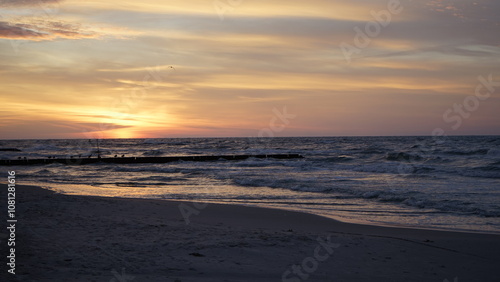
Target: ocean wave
(392, 168)
(338, 159)
(490, 171)
(467, 153)
(256, 162)
(437, 160)
(495, 153)
(453, 206)
(384, 196)
(402, 156)
(140, 184)
(44, 147)
(43, 172)
(418, 200)
(414, 199)
(290, 184)
(145, 168)
(161, 179)
(153, 153)
(372, 152)
(153, 141)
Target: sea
(450, 183)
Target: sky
(248, 68)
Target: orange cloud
(25, 3)
(44, 30)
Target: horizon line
(264, 137)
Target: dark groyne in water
(139, 160)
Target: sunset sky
(205, 68)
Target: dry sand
(78, 238)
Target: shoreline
(91, 238)
(288, 208)
(285, 209)
(349, 221)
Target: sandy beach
(79, 238)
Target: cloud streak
(46, 30)
(27, 3)
(14, 31)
